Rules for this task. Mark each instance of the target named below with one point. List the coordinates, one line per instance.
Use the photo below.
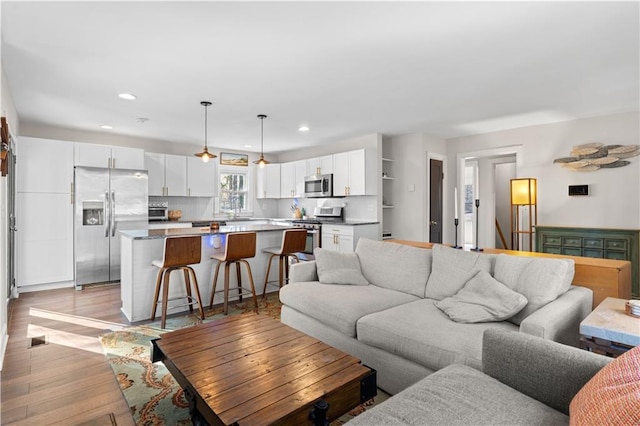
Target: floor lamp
(524, 193)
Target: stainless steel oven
(313, 236)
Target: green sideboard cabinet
(605, 243)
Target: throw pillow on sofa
(338, 268)
(452, 268)
(612, 396)
(394, 266)
(540, 280)
(482, 299)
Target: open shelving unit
(387, 197)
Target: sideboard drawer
(615, 244)
(572, 251)
(593, 242)
(615, 254)
(593, 252)
(572, 242)
(551, 240)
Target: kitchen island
(140, 247)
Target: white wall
(504, 172)
(614, 200)
(410, 153)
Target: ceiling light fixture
(303, 129)
(128, 96)
(261, 161)
(205, 155)
(106, 127)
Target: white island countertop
(148, 234)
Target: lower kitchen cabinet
(44, 248)
(344, 238)
(618, 244)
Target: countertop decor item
(594, 156)
(261, 161)
(205, 155)
(175, 214)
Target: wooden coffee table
(251, 369)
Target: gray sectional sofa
(392, 305)
(524, 381)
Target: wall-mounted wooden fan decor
(590, 157)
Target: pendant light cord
(205, 125)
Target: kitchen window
(234, 192)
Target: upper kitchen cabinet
(111, 157)
(268, 181)
(167, 174)
(292, 178)
(354, 173)
(44, 165)
(201, 178)
(320, 165)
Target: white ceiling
(343, 69)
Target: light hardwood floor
(66, 381)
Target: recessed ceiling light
(303, 129)
(106, 126)
(128, 96)
(247, 146)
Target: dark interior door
(435, 201)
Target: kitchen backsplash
(356, 208)
(192, 207)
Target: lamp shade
(524, 191)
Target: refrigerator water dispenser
(92, 213)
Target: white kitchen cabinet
(292, 178)
(44, 165)
(44, 238)
(167, 174)
(320, 165)
(268, 181)
(201, 178)
(112, 157)
(354, 173)
(344, 238)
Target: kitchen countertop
(148, 234)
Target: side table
(608, 330)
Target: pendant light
(261, 161)
(205, 155)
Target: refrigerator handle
(113, 213)
(107, 214)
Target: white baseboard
(48, 286)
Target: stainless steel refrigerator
(106, 201)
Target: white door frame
(486, 236)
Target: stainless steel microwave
(318, 186)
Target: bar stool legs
(239, 246)
(162, 283)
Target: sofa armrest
(560, 320)
(547, 371)
(303, 272)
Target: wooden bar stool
(293, 241)
(179, 253)
(238, 247)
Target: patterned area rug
(152, 394)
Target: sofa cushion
(612, 396)
(452, 268)
(420, 332)
(459, 395)
(540, 280)
(395, 266)
(338, 268)
(482, 299)
(340, 306)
